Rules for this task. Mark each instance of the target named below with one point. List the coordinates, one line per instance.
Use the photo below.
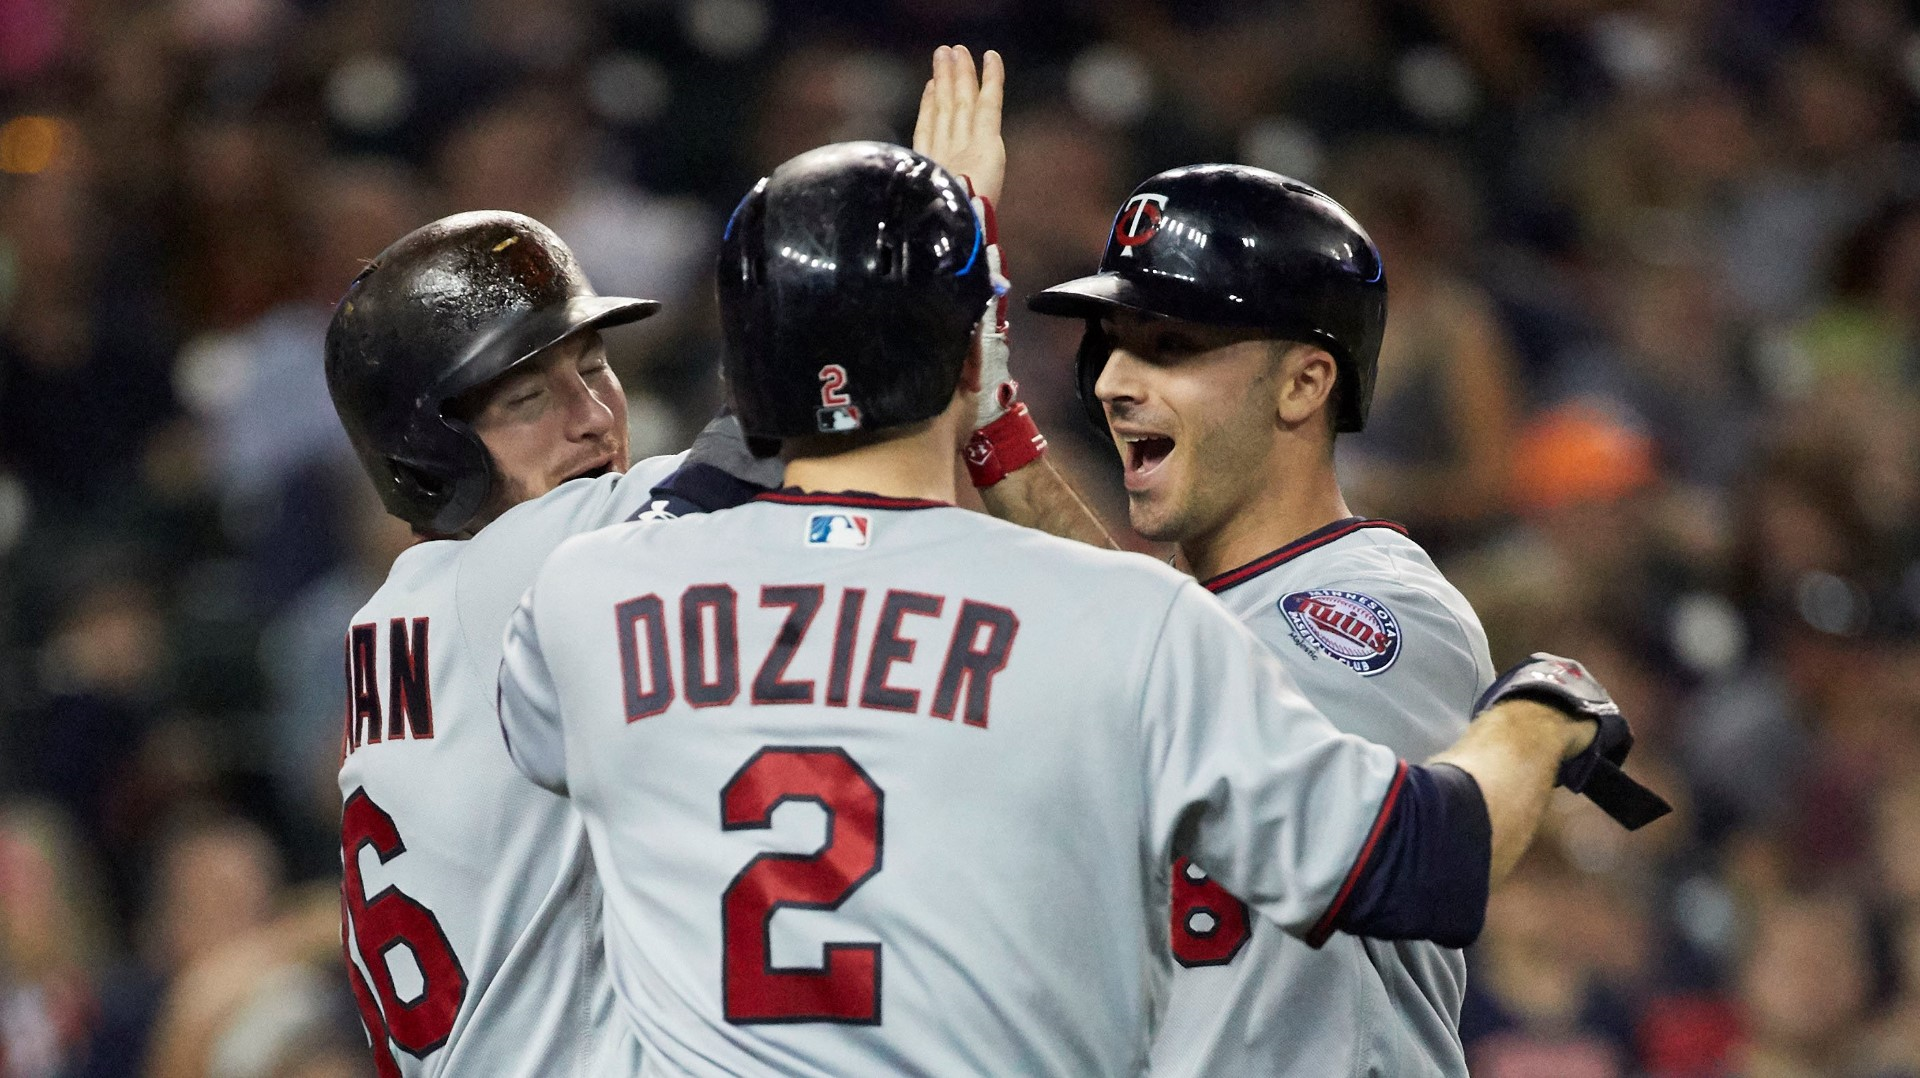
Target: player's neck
(919, 464)
(1297, 503)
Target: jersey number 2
(1209, 924)
(378, 924)
(846, 986)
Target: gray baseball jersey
(470, 903)
(888, 787)
(1380, 642)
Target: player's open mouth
(1145, 454)
(594, 472)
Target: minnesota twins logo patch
(849, 531)
(1138, 221)
(1355, 630)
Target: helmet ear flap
(420, 488)
(1095, 347)
(448, 499)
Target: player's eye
(524, 397)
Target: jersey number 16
(379, 924)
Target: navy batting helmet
(1228, 245)
(851, 280)
(445, 309)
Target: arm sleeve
(528, 701)
(1245, 776)
(1426, 872)
(1319, 830)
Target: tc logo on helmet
(1138, 221)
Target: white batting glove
(997, 387)
(1005, 438)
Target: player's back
(470, 900)
(867, 783)
(1386, 648)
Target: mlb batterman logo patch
(849, 531)
(1353, 629)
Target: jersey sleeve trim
(1323, 928)
(1313, 540)
(1429, 878)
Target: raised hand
(959, 123)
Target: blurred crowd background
(1648, 393)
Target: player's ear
(1304, 386)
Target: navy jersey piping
(851, 498)
(1313, 540)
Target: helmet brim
(1090, 297)
(516, 339)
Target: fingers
(966, 88)
(960, 107)
(986, 109)
(923, 123)
(941, 128)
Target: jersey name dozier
(704, 668)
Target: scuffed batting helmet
(1228, 245)
(851, 280)
(446, 308)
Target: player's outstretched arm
(959, 126)
(1464, 819)
(1513, 751)
(1513, 733)
(1326, 832)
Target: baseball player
(879, 786)
(467, 368)
(1243, 313)
(1232, 331)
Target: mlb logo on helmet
(848, 531)
(1139, 219)
(839, 420)
(1355, 630)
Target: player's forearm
(1513, 752)
(1038, 496)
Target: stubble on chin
(1157, 522)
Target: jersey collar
(855, 499)
(1313, 540)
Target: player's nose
(588, 416)
(1120, 380)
